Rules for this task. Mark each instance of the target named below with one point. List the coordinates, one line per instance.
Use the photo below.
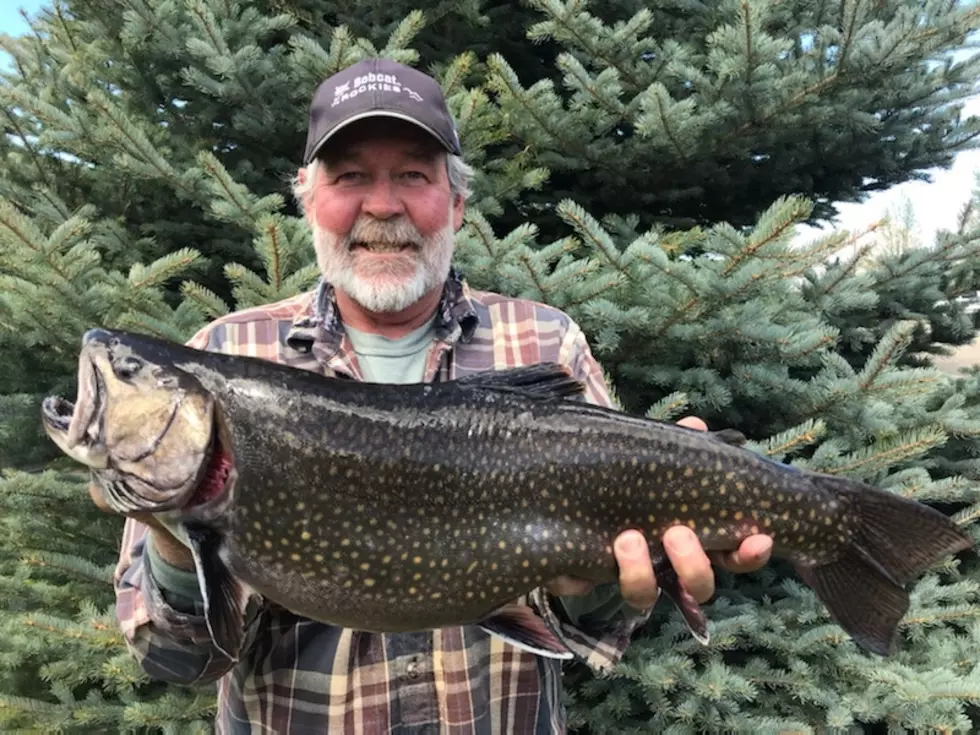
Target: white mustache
(398, 231)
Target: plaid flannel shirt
(297, 675)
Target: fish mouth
(57, 413)
(74, 427)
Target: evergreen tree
(642, 167)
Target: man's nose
(382, 201)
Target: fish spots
(416, 560)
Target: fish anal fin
(543, 380)
(521, 627)
(684, 601)
(222, 596)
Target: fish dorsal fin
(544, 380)
(734, 437)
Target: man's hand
(169, 548)
(637, 582)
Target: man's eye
(414, 176)
(350, 176)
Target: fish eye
(127, 367)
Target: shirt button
(413, 669)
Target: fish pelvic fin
(689, 608)
(521, 627)
(897, 540)
(542, 380)
(222, 597)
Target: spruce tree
(642, 167)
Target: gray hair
(459, 173)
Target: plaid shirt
(297, 675)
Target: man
(384, 189)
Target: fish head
(142, 425)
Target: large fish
(397, 508)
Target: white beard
(392, 284)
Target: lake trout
(412, 507)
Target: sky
(935, 204)
(10, 19)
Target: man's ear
(459, 207)
(302, 177)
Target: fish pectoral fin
(543, 380)
(521, 627)
(222, 597)
(683, 600)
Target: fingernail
(681, 541)
(630, 544)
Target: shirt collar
(319, 322)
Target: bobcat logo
(371, 83)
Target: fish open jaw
(58, 412)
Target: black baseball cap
(379, 88)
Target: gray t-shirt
(386, 360)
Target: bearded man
(383, 188)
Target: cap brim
(379, 113)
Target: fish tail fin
(897, 540)
(223, 601)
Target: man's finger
(753, 554)
(565, 586)
(637, 582)
(690, 562)
(95, 493)
(693, 422)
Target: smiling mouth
(384, 247)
